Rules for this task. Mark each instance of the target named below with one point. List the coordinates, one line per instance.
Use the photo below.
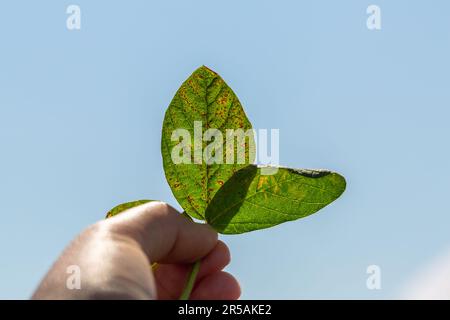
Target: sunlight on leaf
(204, 97)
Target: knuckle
(160, 208)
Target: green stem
(192, 275)
(190, 281)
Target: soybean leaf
(205, 99)
(125, 206)
(251, 201)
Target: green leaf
(251, 201)
(203, 97)
(125, 206)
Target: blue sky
(81, 113)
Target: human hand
(114, 257)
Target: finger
(215, 261)
(217, 286)
(171, 278)
(164, 234)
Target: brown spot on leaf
(261, 182)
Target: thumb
(165, 235)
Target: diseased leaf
(125, 206)
(203, 97)
(251, 201)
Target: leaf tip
(340, 183)
(209, 70)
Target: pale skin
(114, 257)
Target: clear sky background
(81, 115)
